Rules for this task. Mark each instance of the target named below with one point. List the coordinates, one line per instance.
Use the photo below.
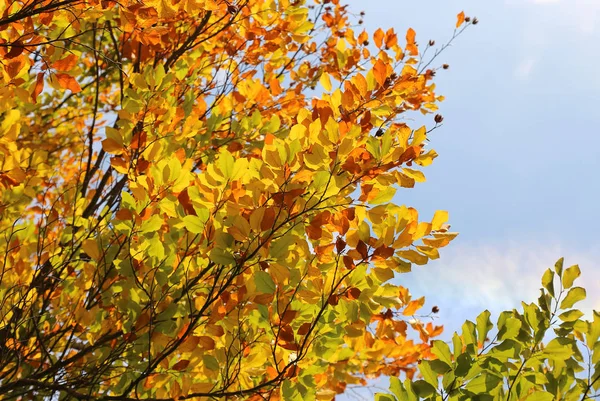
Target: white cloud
(470, 278)
(581, 15)
(525, 68)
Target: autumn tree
(196, 199)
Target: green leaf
(264, 283)
(384, 397)
(423, 389)
(484, 383)
(194, 224)
(429, 375)
(574, 295)
(210, 362)
(152, 224)
(457, 344)
(442, 351)
(221, 257)
(397, 388)
(570, 315)
(484, 325)
(570, 275)
(593, 331)
(548, 281)
(558, 266)
(559, 349)
(510, 329)
(506, 349)
(469, 333)
(540, 396)
(463, 364)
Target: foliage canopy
(184, 214)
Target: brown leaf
(181, 365)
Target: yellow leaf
(325, 81)
(90, 247)
(439, 218)
(111, 146)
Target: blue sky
(519, 149)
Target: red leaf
(340, 244)
(185, 201)
(303, 329)
(286, 333)
(361, 247)
(348, 262)
(15, 49)
(268, 219)
(353, 293)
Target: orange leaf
(380, 72)
(460, 19)
(66, 63)
(413, 306)
(410, 36)
(391, 39)
(68, 82)
(14, 66)
(378, 37)
(39, 86)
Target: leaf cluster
(545, 351)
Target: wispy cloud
(525, 68)
(470, 278)
(582, 15)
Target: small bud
(475, 21)
(360, 22)
(362, 13)
(445, 66)
(438, 118)
(467, 19)
(435, 309)
(394, 76)
(366, 43)
(431, 42)
(379, 133)
(231, 9)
